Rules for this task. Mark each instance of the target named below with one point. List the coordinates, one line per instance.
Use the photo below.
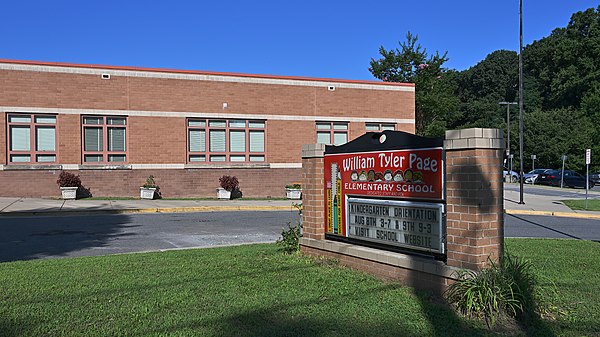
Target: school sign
(386, 189)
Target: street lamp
(521, 99)
(508, 104)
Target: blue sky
(323, 38)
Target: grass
(579, 204)
(256, 291)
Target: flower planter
(293, 193)
(147, 192)
(69, 192)
(223, 193)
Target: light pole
(521, 99)
(508, 104)
(562, 173)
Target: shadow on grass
(298, 318)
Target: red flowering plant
(229, 183)
(68, 179)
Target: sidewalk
(534, 205)
(543, 205)
(36, 206)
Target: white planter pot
(293, 193)
(223, 193)
(147, 192)
(69, 192)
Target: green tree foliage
(482, 86)
(561, 91)
(436, 102)
(550, 134)
(566, 64)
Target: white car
(514, 176)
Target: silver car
(531, 176)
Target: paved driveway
(25, 238)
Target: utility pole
(521, 99)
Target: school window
(378, 127)
(104, 139)
(335, 133)
(31, 138)
(222, 140)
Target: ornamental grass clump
(507, 287)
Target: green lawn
(579, 204)
(256, 291)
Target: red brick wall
(382, 270)
(475, 205)
(69, 139)
(157, 140)
(3, 138)
(173, 183)
(60, 90)
(313, 213)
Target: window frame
(332, 131)
(228, 128)
(105, 153)
(380, 126)
(33, 152)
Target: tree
(436, 102)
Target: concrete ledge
(405, 261)
(212, 165)
(552, 213)
(83, 211)
(30, 167)
(104, 167)
(474, 138)
(313, 150)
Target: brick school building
(114, 126)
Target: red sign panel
(398, 174)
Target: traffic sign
(588, 156)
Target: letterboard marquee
(387, 189)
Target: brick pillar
(475, 221)
(313, 217)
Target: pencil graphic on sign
(334, 174)
(329, 212)
(338, 185)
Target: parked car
(531, 176)
(570, 179)
(514, 176)
(595, 177)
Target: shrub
(150, 183)
(68, 179)
(290, 237)
(229, 183)
(294, 186)
(505, 287)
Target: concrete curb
(550, 213)
(151, 210)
